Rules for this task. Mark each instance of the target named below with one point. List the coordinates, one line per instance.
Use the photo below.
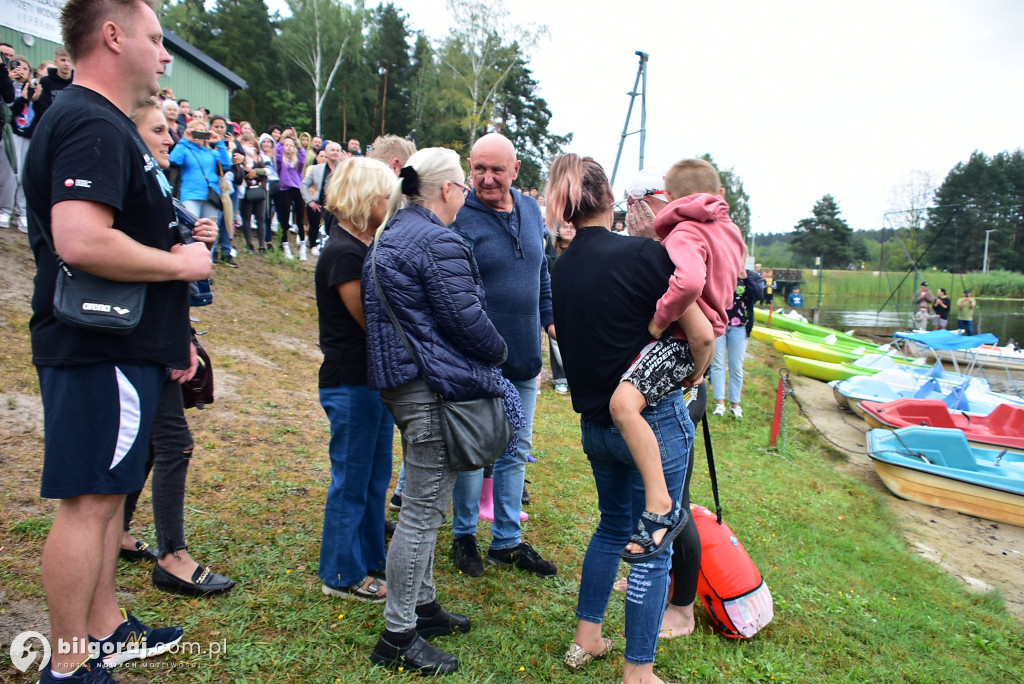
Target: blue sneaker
(133, 640)
(92, 671)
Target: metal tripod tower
(641, 74)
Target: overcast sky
(799, 98)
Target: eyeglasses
(640, 193)
(465, 189)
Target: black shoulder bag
(475, 432)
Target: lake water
(1004, 318)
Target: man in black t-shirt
(95, 197)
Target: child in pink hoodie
(708, 252)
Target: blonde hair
(355, 186)
(196, 123)
(388, 147)
(690, 177)
(577, 189)
(141, 111)
(292, 159)
(434, 167)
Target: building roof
(204, 61)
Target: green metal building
(193, 75)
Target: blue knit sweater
(509, 250)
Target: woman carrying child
(708, 252)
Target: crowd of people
(429, 285)
(261, 185)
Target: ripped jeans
(620, 509)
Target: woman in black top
(352, 552)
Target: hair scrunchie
(410, 181)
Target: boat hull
(933, 490)
(937, 467)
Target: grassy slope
(851, 603)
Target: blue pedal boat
(937, 467)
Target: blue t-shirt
(795, 300)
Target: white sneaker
(737, 412)
(293, 230)
(274, 227)
(234, 252)
(315, 251)
(5, 219)
(719, 411)
(287, 249)
(23, 224)
(303, 254)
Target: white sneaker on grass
(719, 411)
(737, 412)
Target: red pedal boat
(1001, 429)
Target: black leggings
(170, 451)
(686, 548)
(290, 205)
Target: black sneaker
(396, 502)
(133, 640)
(229, 261)
(467, 555)
(92, 671)
(418, 656)
(524, 558)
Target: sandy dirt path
(983, 554)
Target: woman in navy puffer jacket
(429, 277)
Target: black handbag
(255, 193)
(475, 432)
(214, 198)
(198, 392)
(87, 301)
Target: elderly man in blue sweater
(505, 230)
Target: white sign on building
(36, 17)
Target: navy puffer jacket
(432, 283)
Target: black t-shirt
(941, 306)
(342, 339)
(87, 149)
(604, 288)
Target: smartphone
(200, 135)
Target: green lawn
(851, 604)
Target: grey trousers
(425, 501)
(8, 182)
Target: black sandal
(650, 523)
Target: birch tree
(315, 38)
(477, 55)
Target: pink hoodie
(708, 251)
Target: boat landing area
(985, 555)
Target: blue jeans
(733, 343)
(966, 326)
(620, 498)
(428, 492)
(362, 431)
(509, 477)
